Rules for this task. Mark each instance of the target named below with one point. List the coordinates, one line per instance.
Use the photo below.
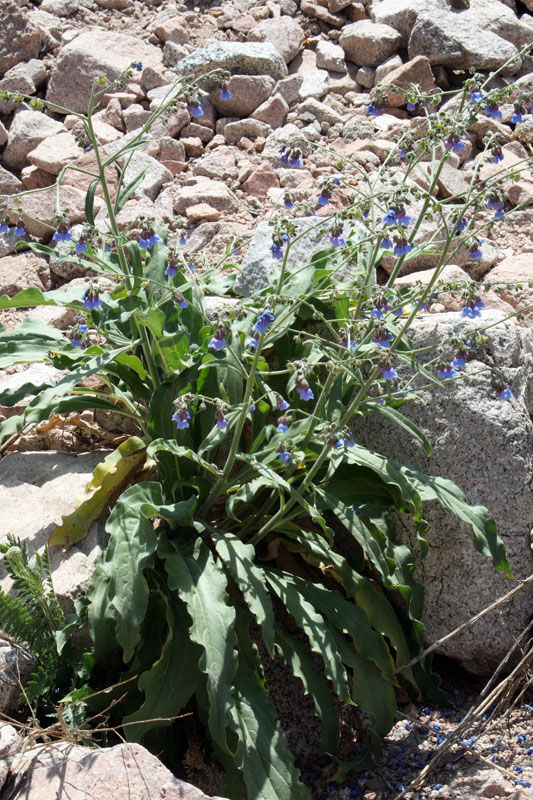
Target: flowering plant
(248, 416)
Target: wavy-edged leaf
(172, 680)
(296, 657)
(202, 585)
(320, 633)
(262, 753)
(108, 477)
(34, 297)
(118, 594)
(238, 558)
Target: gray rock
(61, 8)
(283, 32)
(366, 76)
(89, 55)
(10, 746)
(260, 58)
(444, 40)
(484, 445)
(36, 490)
(494, 16)
(330, 56)
(315, 84)
(135, 116)
(247, 94)
(125, 771)
(289, 88)
(279, 138)
(27, 130)
(258, 261)
(402, 15)
(320, 111)
(119, 5)
(9, 184)
(250, 128)
(16, 667)
(214, 193)
(173, 52)
(20, 40)
(155, 177)
(357, 127)
(273, 111)
(367, 44)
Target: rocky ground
(298, 68)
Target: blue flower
(276, 250)
(493, 111)
(411, 106)
(404, 219)
(447, 373)
(349, 441)
(191, 266)
(390, 374)
(19, 230)
(218, 342)
(476, 96)
(458, 362)
(494, 203)
(264, 321)
(305, 391)
(496, 157)
(461, 225)
(402, 248)
(91, 300)
(288, 204)
(284, 157)
(454, 143)
(499, 213)
(283, 425)
(195, 109)
(390, 217)
(337, 241)
(377, 313)
(83, 328)
(154, 239)
(183, 239)
(470, 312)
(62, 235)
(225, 93)
(336, 181)
(81, 246)
(323, 199)
(181, 419)
(375, 110)
(384, 339)
(281, 403)
(138, 65)
(182, 303)
(386, 244)
(144, 243)
(284, 457)
(295, 163)
(253, 342)
(475, 253)
(222, 424)
(504, 394)
(4, 228)
(171, 270)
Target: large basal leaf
(172, 680)
(238, 558)
(30, 341)
(202, 585)
(34, 297)
(108, 478)
(118, 594)
(262, 752)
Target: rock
(401, 15)
(214, 193)
(289, 88)
(261, 180)
(15, 670)
(36, 489)
(452, 182)
(357, 127)
(494, 439)
(37, 374)
(247, 93)
(19, 38)
(283, 32)
(194, 130)
(17, 80)
(202, 212)
(27, 130)
(125, 771)
(23, 271)
(135, 116)
(417, 70)
(37, 210)
(366, 76)
(236, 57)
(61, 8)
(320, 111)
(82, 181)
(514, 268)
(55, 152)
(3, 135)
(315, 84)
(250, 128)
(218, 165)
(318, 11)
(489, 15)
(10, 745)
(193, 146)
(444, 40)
(330, 56)
(9, 184)
(119, 5)
(172, 29)
(273, 111)
(172, 53)
(89, 55)
(155, 177)
(367, 44)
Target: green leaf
(262, 753)
(238, 558)
(108, 478)
(405, 423)
(125, 194)
(172, 680)
(34, 297)
(89, 201)
(118, 594)
(202, 585)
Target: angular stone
(61, 8)
(202, 212)
(118, 5)
(218, 165)
(320, 111)
(15, 669)
(518, 268)
(3, 135)
(247, 93)
(442, 38)
(261, 180)
(37, 210)
(193, 146)
(193, 130)
(236, 57)
(22, 271)
(89, 55)
(273, 111)
(19, 39)
(27, 130)
(367, 44)
(55, 152)
(330, 56)
(123, 771)
(9, 184)
(82, 181)
(155, 177)
(366, 76)
(36, 489)
(250, 128)
(15, 80)
(283, 32)
(458, 582)
(289, 88)
(214, 193)
(418, 71)
(318, 11)
(315, 84)
(173, 29)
